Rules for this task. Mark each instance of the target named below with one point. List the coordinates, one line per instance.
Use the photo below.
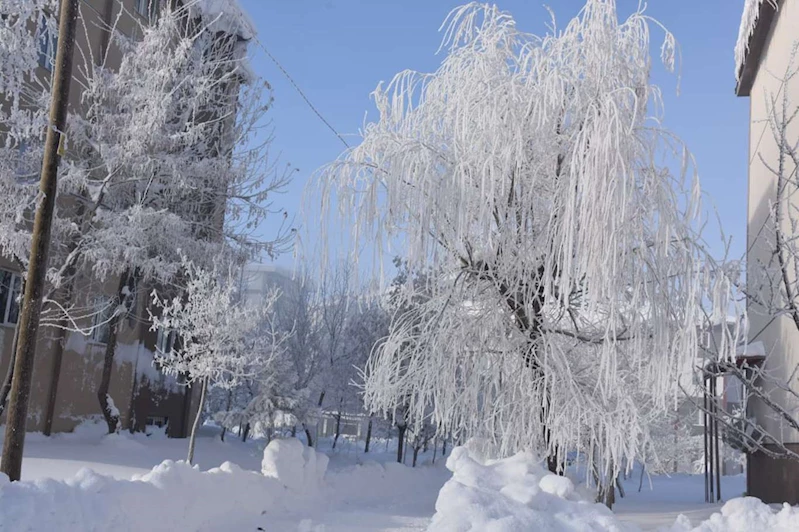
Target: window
(29, 163)
(147, 9)
(165, 342)
(10, 287)
(101, 320)
(48, 42)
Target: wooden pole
(11, 462)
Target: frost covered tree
(299, 313)
(532, 176)
(162, 148)
(221, 341)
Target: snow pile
(514, 494)
(294, 465)
(748, 23)
(173, 496)
(746, 514)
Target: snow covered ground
(359, 492)
(663, 498)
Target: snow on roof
(226, 16)
(747, 28)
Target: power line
(300, 92)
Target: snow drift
(514, 494)
(173, 496)
(745, 514)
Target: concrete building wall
(770, 479)
(780, 337)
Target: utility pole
(11, 463)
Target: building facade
(69, 363)
(765, 52)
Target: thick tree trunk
(444, 447)
(246, 433)
(400, 441)
(294, 431)
(308, 435)
(368, 435)
(110, 414)
(416, 449)
(196, 424)
(607, 494)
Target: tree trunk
(294, 431)
(196, 424)
(227, 409)
(641, 481)
(245, 433)
(444, 447)
(435, 448)
(4, 391)
(400, 441)
(416, 449)
(368, 435)
(112, 415)
(338, 429)
(607, 494)
(308, 435)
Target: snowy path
(661, 503)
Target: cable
(299, 91)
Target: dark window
(101, 318)
(10, 286)
(48, 42)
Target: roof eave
(757, 43)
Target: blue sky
(338, 50)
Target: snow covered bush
(514, 494)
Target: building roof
(226, 16)
(756, 21)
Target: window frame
(14, 292)
(147, 9)
(47, 44)
(101, 320)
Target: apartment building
(69, 364)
